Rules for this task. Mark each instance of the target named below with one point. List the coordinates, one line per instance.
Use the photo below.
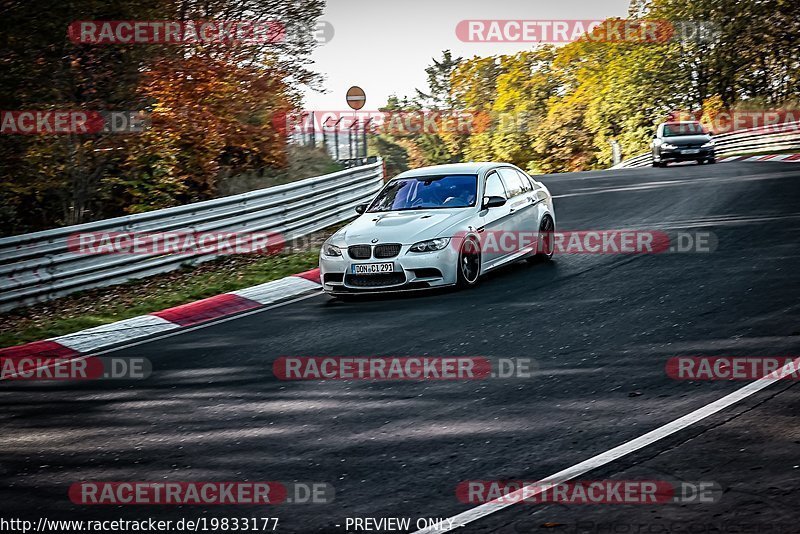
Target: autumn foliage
(559, 108)
(209, 107)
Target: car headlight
(668, 146)
(708, 145)
(331, 250)
(430, 245)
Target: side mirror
(361, 208)
(493, 202)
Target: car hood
(682, 140)
(405, 227)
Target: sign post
(356, 98)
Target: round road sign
(356, 97)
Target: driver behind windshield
(427, 192)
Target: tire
(701, 161)
(712, 161)
(468, 270)
(545, 247)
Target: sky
(383, 46)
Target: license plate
(690, 151)
(372, 268)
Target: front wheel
(469, 264)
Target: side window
(494, 187)
(527, 185)
(512, 181)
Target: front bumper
(412, 270)
(681, 154)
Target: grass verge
(100, 306)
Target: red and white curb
(768, 157)
(162, 321)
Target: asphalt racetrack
(599, 327)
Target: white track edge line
(172, 333)
(316, 293)
(459, 520)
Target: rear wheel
(469, 263)
(545, 245)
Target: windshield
(684, 128)
(427, 192)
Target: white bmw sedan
(440, 226)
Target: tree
(210, 106)
(395, 157)
(439, 95)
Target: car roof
(471, 167)
(682, 122)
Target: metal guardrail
(763, 140)
(39, 266)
